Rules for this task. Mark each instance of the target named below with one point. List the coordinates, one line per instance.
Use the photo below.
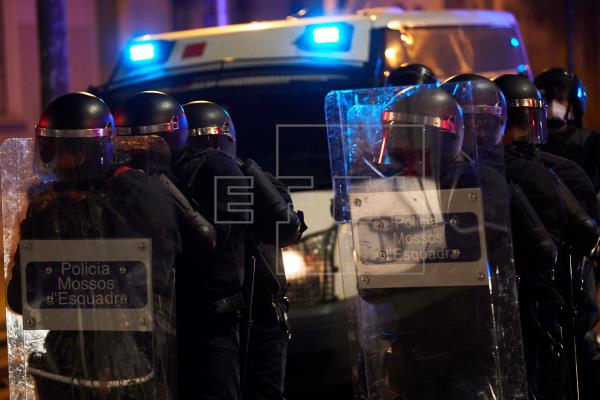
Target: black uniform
(253, 241)
(583, 289)
(210, 177)
(269, 334)
(152, 130)
(540, 301)
(121, 205)
(579, 145)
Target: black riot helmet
(422, 131)
(154, 113)
(210, 125)
(526, 110)
(484, 109)
(73, 139)
(411, 74)
(565, 95)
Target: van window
(456, 50)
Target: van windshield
(455, 50)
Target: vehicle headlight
(309, 268)
(294, 265)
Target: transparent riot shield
(484, 114)
(432, 310)
(90, 276)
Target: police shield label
(87, 284)
(428, 238)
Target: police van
(273, 77)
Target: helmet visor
(484, 112)
(72, 159)
(150, 153)
(528, 120)
(418, 148)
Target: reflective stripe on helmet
(212, 130)
(74, 133)
(171, 126)
(516, 103)
(437, 122)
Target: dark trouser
(266, 362)
(543, 343)
(219, 370)
(587, 346)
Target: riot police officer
(419, 365)
(101, 347)
(275, 225)
(566, 96)
(484, 108)
(577, 238)
(411, 74)
(561, 212)
(211, 177)
(152, 131)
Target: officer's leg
(219, 371)
(587, 346)
(266, 363)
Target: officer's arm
(540, 187)
(582, 233)
(294, 235)
(274, 210)
(530, 231)
(222, 192)
(200, 230)
(576, 180)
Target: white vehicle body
(272, 43)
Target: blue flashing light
(515, 42)
(326, 37)
(142, 52)
(522, 68)
(326, 34)
(580, 93)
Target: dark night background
(556, 33)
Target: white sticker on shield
(419, 238)
(91, 285)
